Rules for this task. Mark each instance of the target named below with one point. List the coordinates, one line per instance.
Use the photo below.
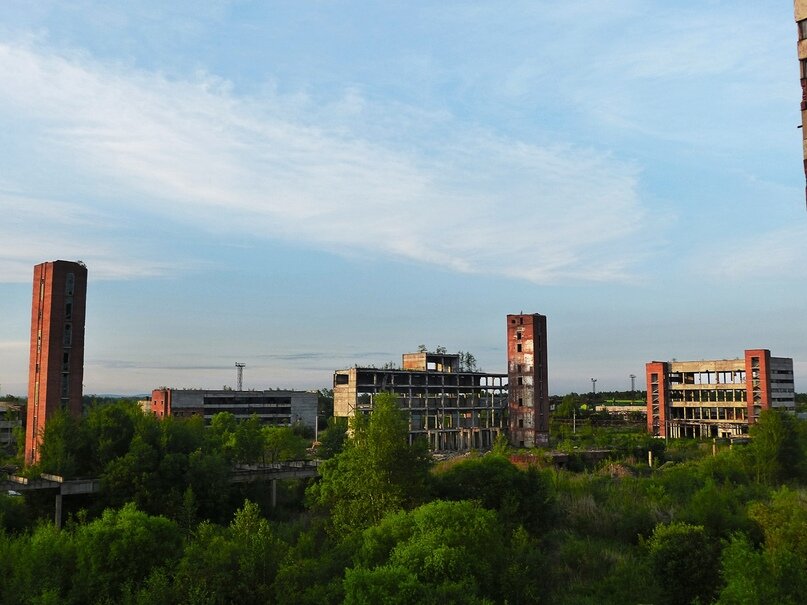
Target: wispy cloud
(769, 255)
(41, 229)
(195, 152)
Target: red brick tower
(528, 390)
(656, 373)
(56, 368)
(758, 382)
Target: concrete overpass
(241, 473)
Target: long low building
(716, 398)
(452, 409)
(283, 408)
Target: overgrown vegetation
(381, 526)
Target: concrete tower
(528, 391)
(56, 368)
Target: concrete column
(58, 513)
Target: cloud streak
(279, 167)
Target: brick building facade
(56, 366)
(527, 377)
(716, 398)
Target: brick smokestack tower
(56, 368)
(527, 378)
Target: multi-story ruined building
(800, 10)
(716, 398)
(527, 376)
(283, 408)
(452, 408)
(56, 366)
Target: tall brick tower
(528, 390)
(56, 368)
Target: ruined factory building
(800, 10)
(716, 398)
(452, 409)
(282, 408)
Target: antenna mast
(240, 370)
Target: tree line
(385, 524)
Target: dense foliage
(385, 525)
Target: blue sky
(304, 186)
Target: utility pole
(239, 385)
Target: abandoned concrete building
(800, 11)
(528, 400)
(452, 408)
(716, 398)
(283, 408)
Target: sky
(305, 186)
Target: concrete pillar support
(57, 519)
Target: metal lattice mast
(240, 381)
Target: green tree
(64, 449)
(221, 434)
(249, 441)
(332, 440)
(520, 497)
(260, 553)
(441, 552)
(325, 406)
(685, 560)
(109, 430)
(282, 443)
(378, 471)
(13, 513)
(568, 405)
(777, 571)
(236, 564)
(776, 448)
(312, 571)
(37, 566)
(120, 548)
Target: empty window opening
(70, 284)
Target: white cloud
(38, 230)
(768, 255)
(280, 168)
